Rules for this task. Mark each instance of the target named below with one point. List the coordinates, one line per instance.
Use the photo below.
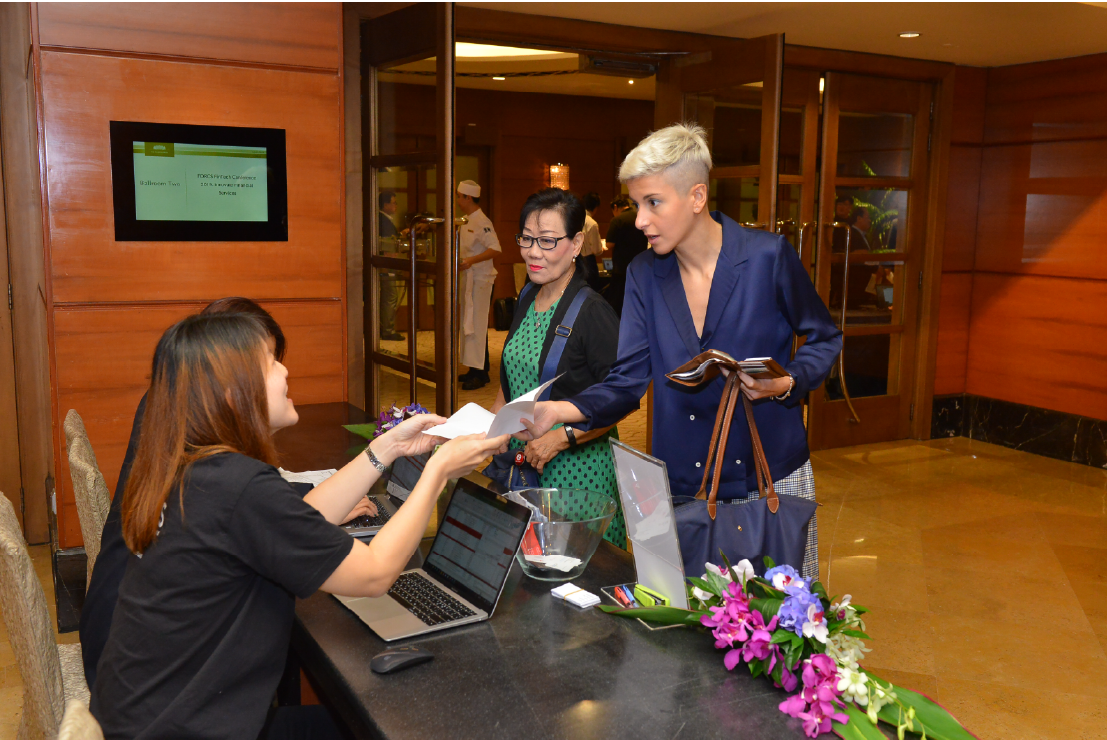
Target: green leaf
(769, 562)
(756, 668)
(856, 633)
(781, 636)
(718, 584)
(859, 727)
(929, 715)
(818, 590)
(767, 607)
(655, 614)
(760, 587)
(362, 430)
(859, 609)
(702, 585)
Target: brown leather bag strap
(728, 391)
(724, 434)
(764, 476)
(718, 437)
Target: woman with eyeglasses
(550, 237)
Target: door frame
(502, 27)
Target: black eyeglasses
(544, 242)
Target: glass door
(410, 275)
(733, 91)
(872, 217)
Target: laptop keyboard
(426, 600)
(365, 521)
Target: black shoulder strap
(561, 337)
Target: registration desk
(540, 668)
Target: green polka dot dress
(589, 466)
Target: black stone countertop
(540, 668)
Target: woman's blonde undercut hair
(680, 149)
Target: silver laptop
(463, 575)
(364, 527)
(651, 525)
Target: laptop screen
(406, 472)
(476, 543)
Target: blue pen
(630, 595)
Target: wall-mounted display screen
(176, 182)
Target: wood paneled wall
(263, 65)
(524, 133)
(959, 243)
(1024, 300)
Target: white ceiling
(978, 34)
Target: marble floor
(985, 569)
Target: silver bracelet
(785, 395)
(381, 467)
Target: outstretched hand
(545, 417)
(462, 454)
(407, 439)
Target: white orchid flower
(854, 686)
(815, 626)
(720, 572)
(744, 569)
(700, 594)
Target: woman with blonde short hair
(708, 283)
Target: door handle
(845, 295)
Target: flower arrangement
(787, 628)
(387, 419)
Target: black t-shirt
(111, 564)
(625, 241)
(200, 633)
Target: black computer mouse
(399, 658)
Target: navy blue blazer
(760, 296)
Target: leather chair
(51, 673)
(90, 490)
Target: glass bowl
(566, 527)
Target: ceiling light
(822, 83)
(630, 82)
(499, 78)
(478, 51)
(909, 35)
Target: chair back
(90, 490)
(79, 724)
(32, 640)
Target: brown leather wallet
(702, 369)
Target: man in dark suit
(625, 241)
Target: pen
(620, 597)
(629, 595)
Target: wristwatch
(571, 434)
(381, 467)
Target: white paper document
(474, 419)
(563, 563)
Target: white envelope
(474, 419)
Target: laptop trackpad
(385, 616)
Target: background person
(592, 248)
(392, 286)
(550, 237)
(626, 241)
(478, 276)
(708, 283)
(111, 564)
(201, 630)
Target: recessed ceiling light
(630, 82)
(499, 78)
(910, 35)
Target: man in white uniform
(478, 246)
(587, 260)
